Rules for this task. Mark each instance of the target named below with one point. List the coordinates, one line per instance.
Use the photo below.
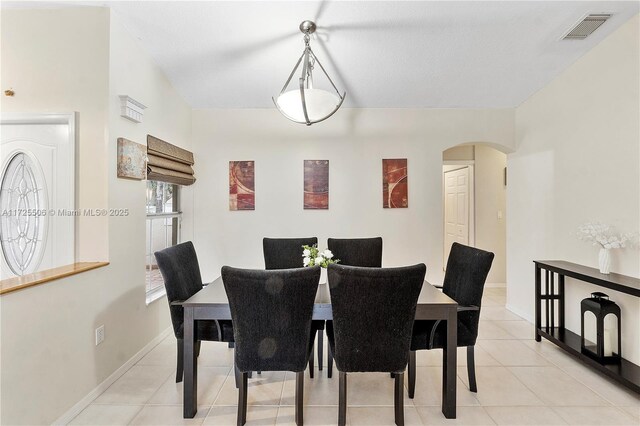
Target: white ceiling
(385, 54)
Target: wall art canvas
(242, 185)
(132, 159)
(316, 184)
(395, 192)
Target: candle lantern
(607, 329)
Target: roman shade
(168, 163)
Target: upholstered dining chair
(374, 334)
(181, 273)
(286, 253)
(271, 313)
(357, 251)
(365, 252)
(467, 270)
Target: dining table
(211, 303)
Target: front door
(37, 193)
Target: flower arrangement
(603, 235)
(311, 256)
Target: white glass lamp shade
(320, 104)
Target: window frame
(159, 291)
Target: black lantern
(600, 306)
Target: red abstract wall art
(316, 184)
(242, 185)
(395, 193)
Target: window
(163, 230)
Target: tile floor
(520, 382)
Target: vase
(323, 275)
(604, 260)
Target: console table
(626, 372)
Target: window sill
(155, 294)
(18, 283)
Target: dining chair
(373, 314)
(181, 273)
(365, 252)
(467, 270)
(357, 251)
(286, 253)
(271, 313)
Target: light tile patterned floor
(520, 382)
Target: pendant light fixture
(306, 104)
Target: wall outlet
(99, 335)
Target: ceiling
(385, 54)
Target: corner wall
(49, 359)
(576, 161)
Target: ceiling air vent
(586, 27)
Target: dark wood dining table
(211, 303)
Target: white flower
(306, 253)
(327, 254)
(306, 260)
(604, 236)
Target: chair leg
(242, 400)
(299, 397)
(236, 372)
(311, 364)
(329, 362)
(196, 347)
(342, 399)
(398, 398)
(412, 373)
(180, 365)
(320, 348)
(471, 369)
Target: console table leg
(538, 302)
(561, 302)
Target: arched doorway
(474, 202)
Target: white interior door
(37, 193)
(456, 209)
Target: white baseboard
(88, 399)
(520, 313)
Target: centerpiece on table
(607, 239)
(311, 256)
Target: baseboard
(520, 313)
(88, 399)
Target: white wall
(577, 160)
(490, 197)
(49, 360)
(355, 142)
(57, 61)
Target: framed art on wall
(316, 184)
(395, 192)
(132, 160)
(242, 185)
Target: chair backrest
(373, 314)
(366, 252)
(271, 313)
(467, 270)
(181, 273)
(285, 253)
